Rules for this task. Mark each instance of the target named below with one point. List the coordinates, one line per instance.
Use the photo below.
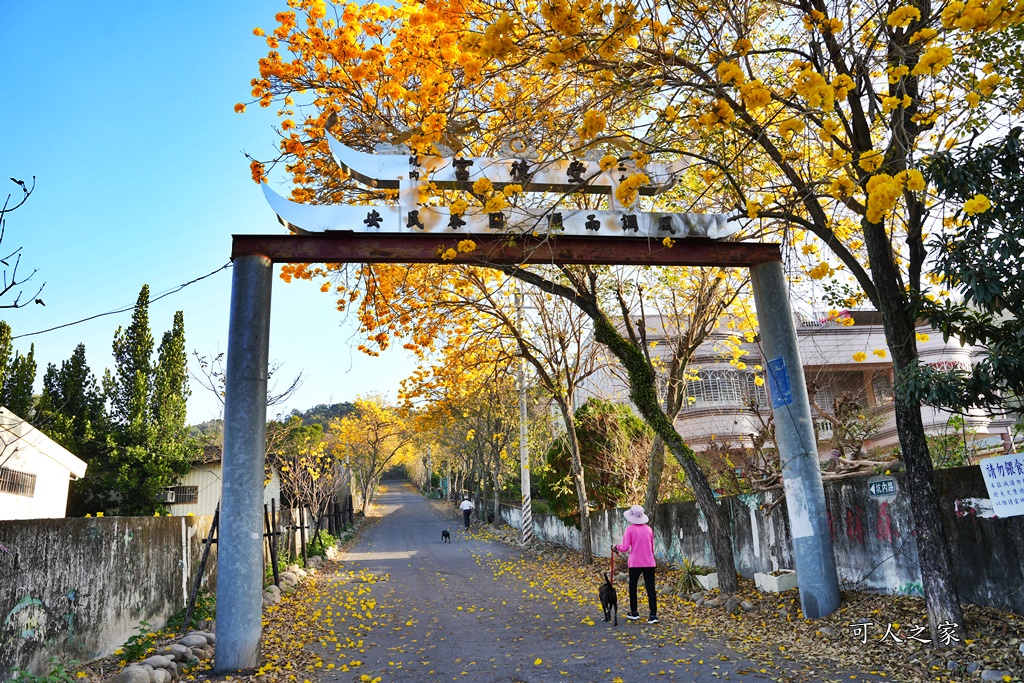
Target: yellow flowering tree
(842, 101)
(368, 441)
(810, 118)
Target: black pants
(652, 596)
(465, 517)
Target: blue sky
(124, 113)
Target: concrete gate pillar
(240, 545)
(797, 445)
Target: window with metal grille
(185, 494)
(715, 387)
(881, 387)
(826, 399)
(18, 483)
(756, 393)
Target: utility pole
(524, 451)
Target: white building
(35, 471)
(198, 491)
(717, 406)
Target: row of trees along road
(129, 427)
(809, 120)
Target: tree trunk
(578, 478)
(497, 498)
(644, 394)
(941, 597)
(655, 466)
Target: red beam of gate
(348, 247)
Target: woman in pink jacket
(638, 541)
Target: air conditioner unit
(166, 496)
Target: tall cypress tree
(149, 444)
(6, 349)
(71, 412)
(171, 440)
(133, 379)
(17, 389)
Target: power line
(125, 309)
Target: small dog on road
(609, 600)
(446, 537)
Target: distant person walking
(638, 541)
(467, 510)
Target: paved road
(468, 611)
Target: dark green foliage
(6, 349)
(16, 394)
(130, 391)
(171, 441)
(148, 447)
(981, 261)
(60, 672)
(205, 609)
(71, 412)
(324, 413)
(607, 432)
(138, 645)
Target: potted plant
(778, 581)
(695, 577)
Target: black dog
(445, 536)
(609, 600)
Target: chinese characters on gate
(1004, 478)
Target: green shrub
(318, 546)
(206, 608)
(540, 507)
(136, 647)
(59, 673)
(688, 576)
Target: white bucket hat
(635, 515)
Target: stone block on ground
(156, 661)
(748, 606)
(161, 676)
(732, 604)
(993, 674)
(131, 674)
(210, 638)
(193, 640)
(694, 597)
(716, 602)
(827, 630)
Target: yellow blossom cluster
(902, 16)
(790, 127)
(628, 190)
(979, 203)
(821, 271)
(981, 15)
(933, 61)
(730, 73)
(883, 193)
(719, 114)
(755, 95)
(593, 123)
(815, 90)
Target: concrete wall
(77, 588)
(873, 539)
